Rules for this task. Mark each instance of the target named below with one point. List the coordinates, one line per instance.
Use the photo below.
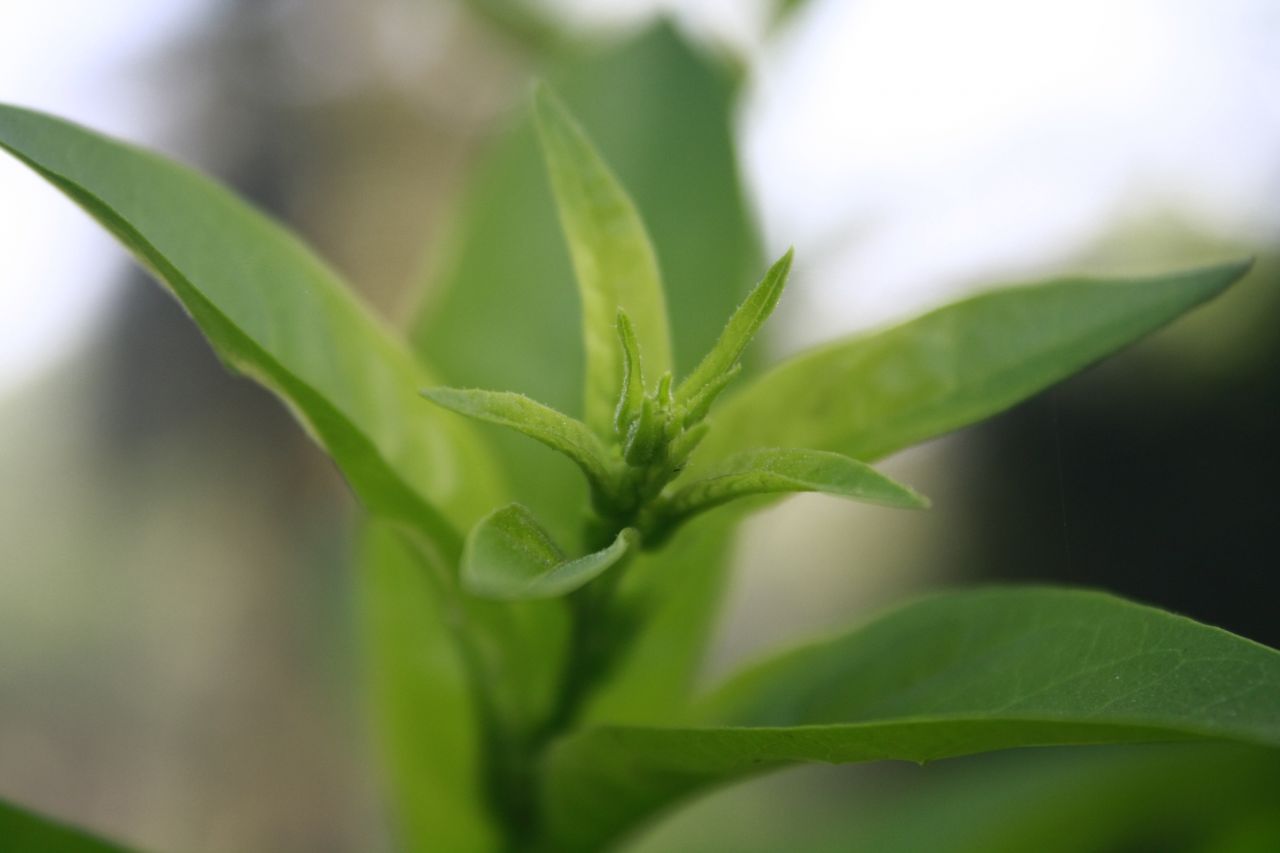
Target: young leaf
(612, 257)
(742, 327)
(789, 470)
(676, 156)
(276, 313)
(22, 830)
(631, 396)
(509, 557)
(541, 423)
(950, 675)
(877, 393)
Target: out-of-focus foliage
(22, 830)
(951, 675)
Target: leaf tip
(441, 395)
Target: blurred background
(178, 661)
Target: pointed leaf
(951, 675)
(742, 327)
(541, 423)
(790, 470)
(877, 393)
(677, 158)
(631, 395)
(612, 257)
(23, 831)
(273, 311)
(510, 557)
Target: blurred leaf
(541, 423)
(741, 328)
(873, 394)
(612, 258)
(509, 556)
(427, 717)
(1173, 798)
(1169, 798)
(274, 312)
(951, 675)
(22, 831)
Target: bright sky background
(80, 59)
(909, 149)
(912, 149)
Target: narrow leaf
(23, 831)
(631, 395)
(541, 423)
(273, 311)
(955, 674)
(742, 327)
(509, 556)
(877, 393)
(790, 470)
(614, 261)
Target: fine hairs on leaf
(724, 356)
(536, 697)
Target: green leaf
(951, 675)
(670, 595)
(774, 470)
(660, 111)
(428, 719)
(612, 256)
(631, 395)
(23, 831)
(1139, 798)
(742, 327)
(1103, 799)
(871, 395)
(276, 313)
(510, 557)
(541, 423)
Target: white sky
(908, 148)
(73, 58)
(911, 149)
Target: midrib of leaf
(881, 692)
(958, 399)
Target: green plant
(532, 677)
